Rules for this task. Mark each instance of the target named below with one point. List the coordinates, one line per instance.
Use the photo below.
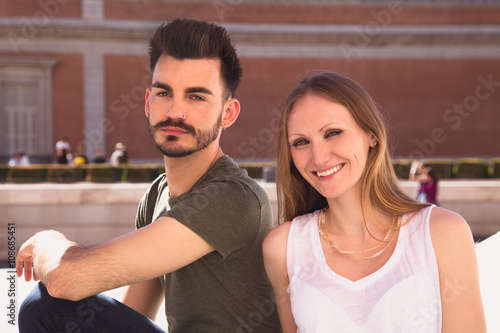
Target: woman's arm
(458, 273)
(145, 297)
(274, 248)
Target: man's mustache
(173, 123)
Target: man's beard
(170, 149)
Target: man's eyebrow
(162, 86)
(202, 90)
(191, 90)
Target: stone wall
(91, 213)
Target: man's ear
(146, 102)
(231, 112)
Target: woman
(360, 255)
(428, 182)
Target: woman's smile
(329, 172)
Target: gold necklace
(354, 254)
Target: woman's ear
(373, 141)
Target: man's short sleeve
(227, 214)
(140, 217)
(149, 206)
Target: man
(201, 235)
(62, 149)
(119, 155)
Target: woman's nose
(320, 154)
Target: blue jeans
(42, 313)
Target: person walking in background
(119, 155)
(428, 182)
(63, 148)
(190, 247)
(356, 254)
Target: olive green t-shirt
(226, 290)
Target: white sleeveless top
(402, 296)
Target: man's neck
(183, 172)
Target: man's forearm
(50, 250)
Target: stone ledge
(77, 193)
(120, 193)
(470, 190)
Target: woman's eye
(300, 142)
(333, 133)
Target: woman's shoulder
(280, 233)
(274, 250)
(444, 221)
(450, 233)
(277, 238)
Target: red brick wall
(68, 98)
(127, 78)
(40, 9)
(416, 96)
(225, 11)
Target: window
(26, 107)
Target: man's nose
(176, 109)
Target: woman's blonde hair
(380, 188)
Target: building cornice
(262, 34)
(24, 62)
(330, 2)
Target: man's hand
(40, 254)
(25, 259)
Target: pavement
(488, 253)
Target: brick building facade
(79, 68)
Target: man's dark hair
(191, 39)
